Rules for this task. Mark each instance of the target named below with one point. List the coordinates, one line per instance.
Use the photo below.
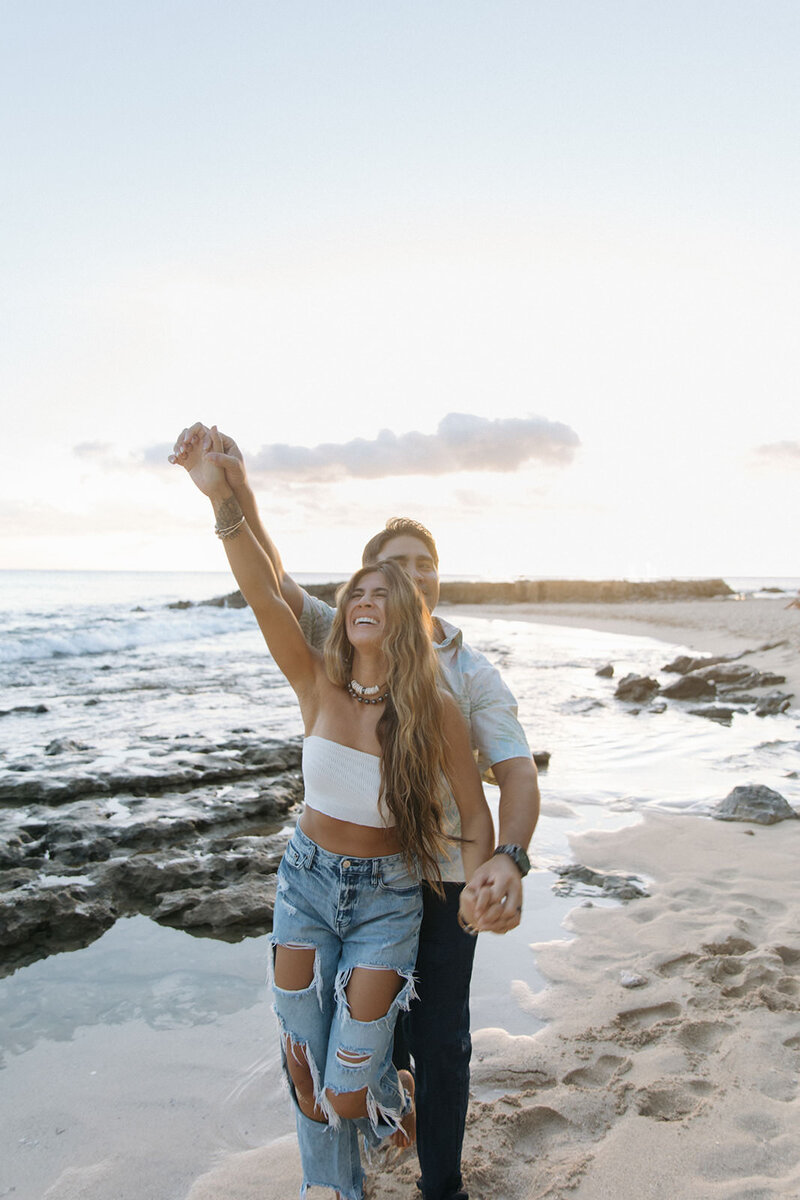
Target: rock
(629, 980)
(690, 687)
(715, 712)
(757, 679)
(606, 672)
(622, 887)
(250, 903)
(685, 663)
(53, 918)
(725, 672)
(541, 758)
(231, 600)
(659, 707)
(756, 803)
(24, 708)
(636, 688)
(776, 702)
(64, 746)
(768, 679)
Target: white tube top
(343, 783)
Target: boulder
(606, 672)
(636, 688)
(775, 702)
(690, 687)
(756, 803)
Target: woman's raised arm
(253, 570)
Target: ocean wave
(89, 634)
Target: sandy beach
(684, 1085)
(709, 626)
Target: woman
(382, 740)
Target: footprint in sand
(789, 956)
(677, 966)
(731, 946)
(669, 1101)
(600, 1073)
(645, 1018)
(702, 1037)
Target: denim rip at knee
(352, 912)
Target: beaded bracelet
(229, 530)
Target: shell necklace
(374, 694)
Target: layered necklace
(374, 694)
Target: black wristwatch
(518, 856)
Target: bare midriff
(343, 837)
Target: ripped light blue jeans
(354, 912)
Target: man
(438, 1024)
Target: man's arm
(231, 460)
(492, 900)
(494, 895)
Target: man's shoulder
(461, 654)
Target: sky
(526, 271)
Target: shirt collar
(452, 635)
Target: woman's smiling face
(366, 610)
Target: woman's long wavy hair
(411, 727)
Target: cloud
(93, 451)
(780, 452)
(461, 443)
(106, 456)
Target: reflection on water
(137, 971)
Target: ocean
(98, 662)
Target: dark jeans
(435, 1033)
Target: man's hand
(229, 457)
(205, 474)
(492, 900)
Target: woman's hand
(228, 455)
(198, 456)
(492, 900)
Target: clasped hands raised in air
(492, 901)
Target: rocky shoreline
(190, 833)
(529, 591)
(741, 686)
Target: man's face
(413, 555)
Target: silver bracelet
(229, 530)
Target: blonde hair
(411, 727)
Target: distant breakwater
(537, 591)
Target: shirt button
(346, 863)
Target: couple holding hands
(374, 930)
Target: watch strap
(517, 855)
